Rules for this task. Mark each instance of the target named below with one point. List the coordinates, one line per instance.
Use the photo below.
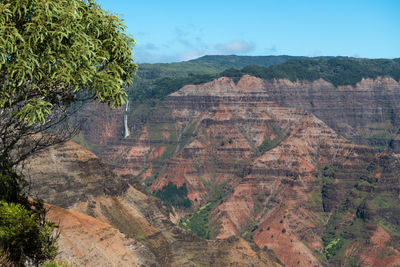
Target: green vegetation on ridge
(272, 139)
(156, 81)
(233, 61)
(159, 80)
(338, 71)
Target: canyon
(263, 172)
(104, 220)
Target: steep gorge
(257, 163)
(105, 221)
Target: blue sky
(168, 31)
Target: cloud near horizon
(235, 47)
(186, 44)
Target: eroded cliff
(256, 162)
(108, 223)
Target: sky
(179, 30)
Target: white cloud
(350, 55)
(187, 43)
(316, 53)
(191, 54)
(235, 47)
(148, 56)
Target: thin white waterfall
(126, 120)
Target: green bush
(25, 235)
(331, 249)
(171, 195)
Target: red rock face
(103, 133)
(387, 256)
(360, 112)
(269, 188)
(108, 224)
(90, 242)
(105, 127)
(284, 172)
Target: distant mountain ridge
(160, 79)
(235, 61)
(156, 81)
(336, 70)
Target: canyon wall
(364, 113)
(104, 221)
(270, 162)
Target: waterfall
(126, 120)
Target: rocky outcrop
(85, 241)
(68, 173)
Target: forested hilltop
(160, 79)
(155, 81)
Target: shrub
(172, 195)
(25, 235)
(331, 249)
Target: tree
(54, 54)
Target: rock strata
(269, 162)
(109, 223)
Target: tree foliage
(24, 234)
(53, 55)
(171, 195)
(52, 51)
